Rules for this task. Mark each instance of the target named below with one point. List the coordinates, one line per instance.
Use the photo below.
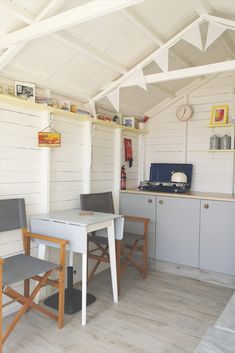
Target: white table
(70, 225)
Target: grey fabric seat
(24, 267)
(20, 267)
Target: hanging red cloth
(128, 151)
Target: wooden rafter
(85, 49)
(191, 72)
(204, 8)
(11, 52)
(146, 61)
(144, 26)
(75, 16)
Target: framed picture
(129, 121)
(25, 90)
(219, 115)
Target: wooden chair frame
(124, 250)
(26, 300)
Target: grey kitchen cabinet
(177, 230)
(217, 236)
(141, 206)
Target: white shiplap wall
(103, 159)
(67, 165)
(173, 141)
(131, 173)
(21, 169)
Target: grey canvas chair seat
(24, 267)
(20, 267)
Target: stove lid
(161, 172)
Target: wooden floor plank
(163, 313)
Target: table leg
(112, 255)
(84, 287)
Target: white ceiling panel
(101, 50)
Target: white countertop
(191, 194)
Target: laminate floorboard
(163, 314)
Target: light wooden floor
(164, 313)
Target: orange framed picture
(49, 139)
(219, 115)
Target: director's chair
(23, 267)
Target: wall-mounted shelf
(222, 125)
(12, 100)
(231, 150)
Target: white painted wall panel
(103, 159)
(173, 141)
(131, 173)
(66, 165)
(21, 165)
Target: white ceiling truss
(56, 19)
(69, 18)
(181, 73)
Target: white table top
(72, 216)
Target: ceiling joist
(203, 9)
(11, 52)
(143, 26)
(191, 72)
(75, 16)
(146, 61)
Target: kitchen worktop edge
(191, 194)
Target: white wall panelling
(103, 159)
(131, 173)
(67, 165)
(21, 169)
(170, 140)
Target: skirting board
(194, 273)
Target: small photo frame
(129, 121)
(25, 90)
(219, 115)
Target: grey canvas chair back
(97, 202)
(12, 214)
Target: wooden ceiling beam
(90, 52)
(146, 61)
(191, 72)
(144, 26)
(204, 9)
(91, 10)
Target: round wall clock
(184, 112)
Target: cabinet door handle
(161, 202)
(206, 205)
(150, 200)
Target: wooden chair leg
(1, 335)
(61, 288)
(118, 260)
(145, 251)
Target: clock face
(184, 112)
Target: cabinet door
(177, 230)
(142, 206)
(217, 236)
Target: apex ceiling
(78, 47)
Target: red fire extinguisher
(123, 178)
